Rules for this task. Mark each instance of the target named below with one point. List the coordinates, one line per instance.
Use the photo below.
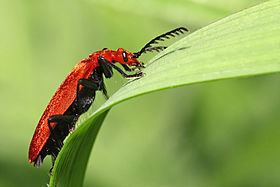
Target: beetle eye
(124, 55)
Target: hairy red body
(88, 73)
(64, 96)
(59, 103)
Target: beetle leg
(138, 67)
(106, 65)
(53, 162)
(89, 83)
(104, 90)
(86, 83)
(106, 68)
(126, 68)
(59, 132)
(97, 76)
(140, 74)
(62, 120)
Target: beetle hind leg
(64, 124)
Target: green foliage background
(224, 133)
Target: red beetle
(77, 92)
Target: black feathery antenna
(157, 49)
(149, 48)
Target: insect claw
(71, 130)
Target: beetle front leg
(107, 67)
(136, 75)
(126, 68)
(138, 67)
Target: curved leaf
(241, 45)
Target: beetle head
(127, 58)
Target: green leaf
(244, 44)
(74, 168)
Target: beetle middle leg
(94, 84)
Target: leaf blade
(244, 44)
(75, 168)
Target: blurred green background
(224, 133)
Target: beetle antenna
(157, 49)
(148, 47)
